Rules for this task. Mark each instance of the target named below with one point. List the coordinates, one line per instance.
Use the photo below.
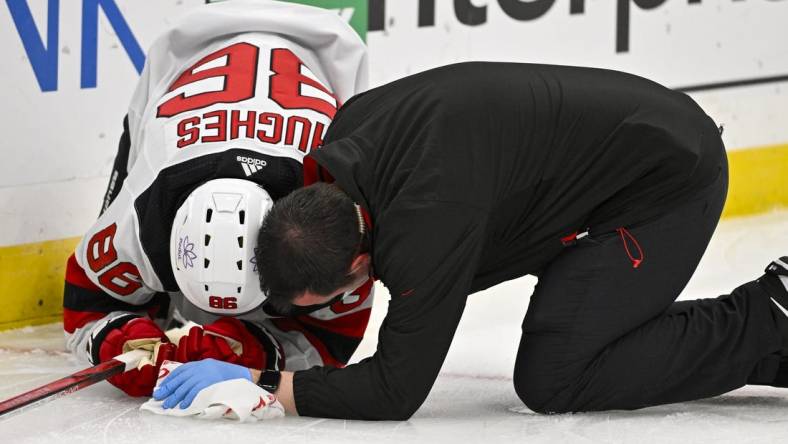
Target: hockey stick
(72, 383)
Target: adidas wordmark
(251, 165)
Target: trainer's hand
(186, 381)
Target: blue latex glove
(185, 382)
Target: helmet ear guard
(212, 243)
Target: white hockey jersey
(239, 89)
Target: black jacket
(472, 174)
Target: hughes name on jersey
(242, 89)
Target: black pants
(601, 334)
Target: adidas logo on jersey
(251, 165)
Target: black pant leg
(600, 334)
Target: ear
(361, 264)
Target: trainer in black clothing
(477, 173)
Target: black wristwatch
(269, 380)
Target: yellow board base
(31, 275)
(31, 282)
(758, 180)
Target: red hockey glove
(135, 334)
(230, 340)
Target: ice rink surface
(472, 401)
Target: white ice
(472, 401)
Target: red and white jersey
(241, 89)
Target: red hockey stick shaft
(72, 383)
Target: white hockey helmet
(212, 244)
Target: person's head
(312, 248)
(212, 243)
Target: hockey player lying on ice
(229, 103)
(474, 174)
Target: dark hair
(307, 243)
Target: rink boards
(74, 65)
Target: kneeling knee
(542, 394)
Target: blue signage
(44, 58)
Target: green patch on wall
(355, 12)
